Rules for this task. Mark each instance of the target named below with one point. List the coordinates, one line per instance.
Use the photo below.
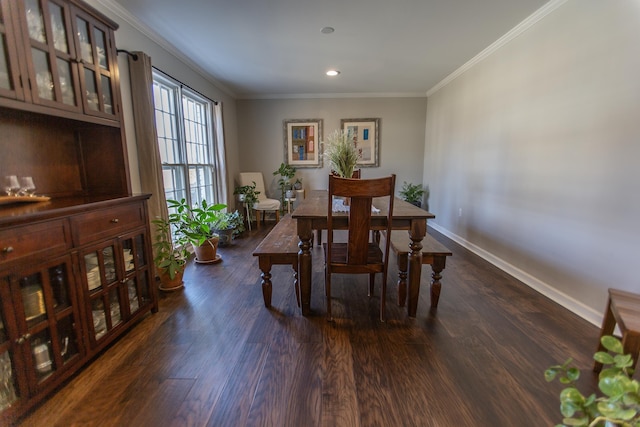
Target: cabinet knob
(115, 221)
(7, 250)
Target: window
(186, 138)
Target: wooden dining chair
(358, 255)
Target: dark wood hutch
(75, 271)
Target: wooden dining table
(311, 214)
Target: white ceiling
(274, 48)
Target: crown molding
(125, 15)
(335, 95)
(512, 34)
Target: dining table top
(315, 206)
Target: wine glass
(11, 185)
(27, 187)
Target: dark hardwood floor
(215, 356)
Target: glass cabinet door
(97, 75)
(8, 381)
(52, 70)
(10, 86)
(106, 313)
(136, 267)
(102, 287)
(47, 320)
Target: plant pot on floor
(207, 253)
(226, 236)
(167, 283)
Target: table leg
(402, 279)
(608, 325)
(305, 264)
(416, 233)
(267, 287)
(436, 268)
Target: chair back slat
(359, 226)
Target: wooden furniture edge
(280, 246)
(433, 253)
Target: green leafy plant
(194, 223)
(341, 153)
(248, 193)
(619, 404)
(412, 193)
(286, 172)
(227, 226)
(171, 254)
(229, 220)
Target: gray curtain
(221, 162)
(146, 136)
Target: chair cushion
(267, 205)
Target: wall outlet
(459, 212)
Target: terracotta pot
(208, 251)
(169, 284)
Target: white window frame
(180, 140)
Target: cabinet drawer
(46, 238)
(106, 223)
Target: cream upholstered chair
(264, 203)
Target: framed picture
(365, 137)
(302, 143)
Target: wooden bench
(280, 246)
(433, 253)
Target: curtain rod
(185, 85)
(133, 55)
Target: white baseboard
(578, 308)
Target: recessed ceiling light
(333, 73)
(327, 30)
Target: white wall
(401, 132)
(538, 147)
(131, 39)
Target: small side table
(289, 201)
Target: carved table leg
(296, 283)
(305, 264)
(267, 288)
(416, 233)
(437, 267)
(402, 279)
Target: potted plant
(170, 257)
(227, 226)
(619, 404)
(341, 153)
(195, 224)
(412, 193)
(286, 172)
(298, 184)
(248, 195)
